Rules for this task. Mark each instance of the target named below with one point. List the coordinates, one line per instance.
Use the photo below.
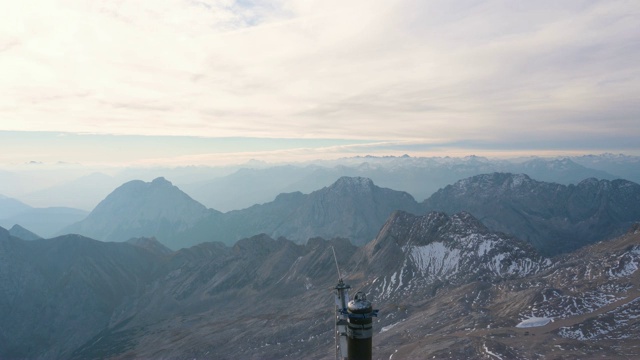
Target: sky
(180, 82)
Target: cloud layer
(493, 73)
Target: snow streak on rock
(613, 325)
(556, 305)
(626, 263)
(436, 248)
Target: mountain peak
(496, 181)
(151, 244)
(352, 183)
(424, 250)
(22, 233)
(141, 209)
(161, 181)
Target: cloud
(436, 71)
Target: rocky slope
(418, 254)
(261, 298)
(58, 293)
(446, 287)
(554, 218)
(583, 307)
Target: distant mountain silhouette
(554, 218)
(353, 208)
(47, 222)
(419, 176)
(563, 171)
(22, 233)
(140, 209)
(10, 207)
(82, 193)
(622, 166)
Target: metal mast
(342, 301)
(354, 322)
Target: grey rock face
(552, 217)
(425, 252)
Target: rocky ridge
(354, 208)
(271, 298)
(554, 218)
(434, 250)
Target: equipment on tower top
(354, 323)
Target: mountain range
(446, 286)
(420, 177)
(46, 222)
(351, 207)
(554, 218)
(237, 187)
(491, 265)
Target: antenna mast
(336, 260)
(354, 322)
(342, 299)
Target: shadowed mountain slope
(58, 293)
(353, 208)
(22, 233)
(141, 209)
(446, 287)
(273, 295)
(554, 218)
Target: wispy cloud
(436, 71)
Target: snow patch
(486, 349)
(435, 258)
(389, 327)
(534, 322)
